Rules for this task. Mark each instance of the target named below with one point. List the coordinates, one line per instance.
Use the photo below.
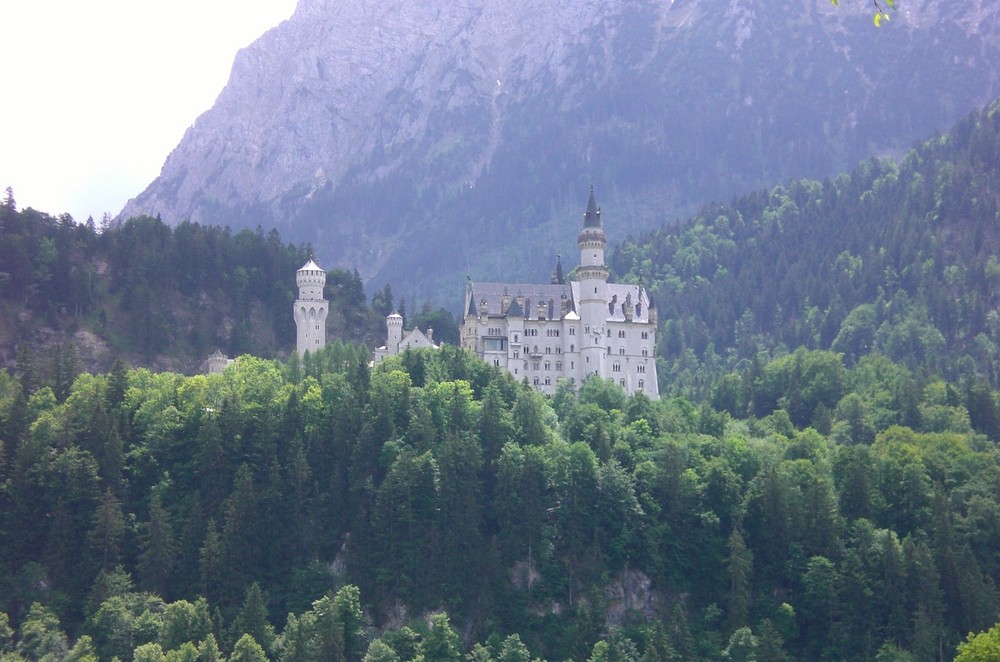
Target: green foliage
(981, 647)
(153, 291)
(892, 259)
(347, 499)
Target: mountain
(421, 141)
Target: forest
(820, 481)
(155, 295)
(434, 509)
(898, 258)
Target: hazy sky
(96, 94)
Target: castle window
(586, 329)
(622, 382)
(516, 339)
(572, 347)
(548, 381)
(534, 365)
(621, 350)
(558, 366)
(640, 368)
(645, 352)
(617, 367)
(572, 365)
(535, 381)
(548, 366)
(572, 330)
(317, 341)
(638, 309)
(642, 383)
(517, 354)
(548, 350)
(496, 362)
(645, 335)
(621, 333)
(558, 350)
(317, 327)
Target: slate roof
(532, 293)
(592, 219)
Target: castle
(539, 332)
(567, 329)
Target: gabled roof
(416, 339)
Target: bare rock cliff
(419, 141)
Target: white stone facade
(310, 308)
(396, 341)
(567, 329)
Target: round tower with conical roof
(394, 332)
(310, 308)
(593, 277)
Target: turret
(593, 276)
(310, 308)
(394, 332)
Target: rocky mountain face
(419, 141)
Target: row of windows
(548, 365)
(617, 367)
(621, 351)
(554, 333)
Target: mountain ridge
(419, 143)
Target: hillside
(895, 258)
(435, 507)
(152, 295)
(422, 141)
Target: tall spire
(557, 273)
(592, 219)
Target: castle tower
(394, 332)
(593, 277)
(310, 308)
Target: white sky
(95, 94)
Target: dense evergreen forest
(435, 508)
(154, 295)
(895, 258)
